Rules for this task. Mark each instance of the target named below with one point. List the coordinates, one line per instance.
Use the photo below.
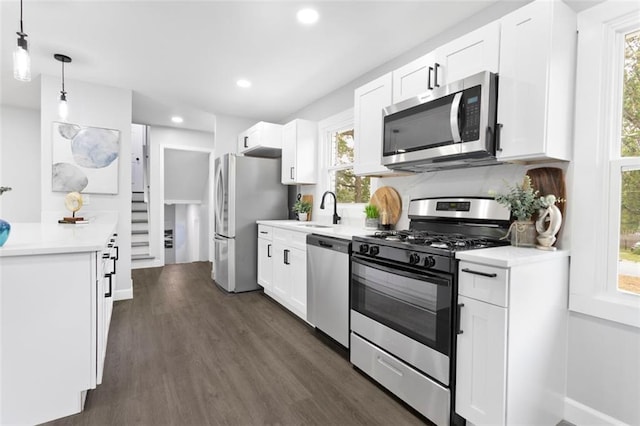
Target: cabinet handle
(264, 232)
(108, 294)
(325, 244)
(435, 75)
(286, 257)
(498, 133)
(268, 250)
(429, 86)
(117, 253)
(292, 177)
(105, 255)
(246, 139)
(484, 274)
(460, 305)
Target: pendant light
(21, 58)
(63, 108)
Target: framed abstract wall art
(84, 159)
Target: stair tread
(141, 257)
(139, 221)
(139, 231)
(139, 243)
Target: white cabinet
(415, 78)
(511, 346)
(299, 157)
(369, 100)
(55, 316)
(537, 72)
(261, 140)
(289, 271)
(265, 257)
(470, 54)
(106, 279)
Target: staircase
(140, 255)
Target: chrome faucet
(336, 218)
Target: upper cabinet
(299, 141)
(416, 78)
(470, 54)
(369, 100)
(261, 140)
(537, 71)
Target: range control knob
(429, 261)
(414, 258)
(364, 248)
(374, 250)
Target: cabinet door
(524, 59)
(481, 362)
(265, 263)
(281, 278)
(413, 78)
(298, 277)
(470, 54)
(369, 101)
(289, 155)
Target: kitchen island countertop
(338, 231)
(508, 256)
(35, 238)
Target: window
(348, 187)
(604, 202)
(627, 169)
(337, 160)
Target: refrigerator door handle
(219, 198)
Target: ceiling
(184, 57)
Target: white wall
(160, 139)
(20, 164)
(186, 175)
(97, 106)
(227, 130)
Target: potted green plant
(302, 208)
(372, 219)
(523, 201)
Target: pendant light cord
(21, 28)
(63, 77)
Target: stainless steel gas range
(404, 298)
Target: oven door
(414, 303)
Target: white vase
(371, 223)
(302, 217)
(548, 225)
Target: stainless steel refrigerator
(246, 189)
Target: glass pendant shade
(21, 61)
(63, 108)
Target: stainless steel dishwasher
(328, 275)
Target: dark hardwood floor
(182, 352)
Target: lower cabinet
(288, 261)
(265, 257)
(55, 312)
(511, 342)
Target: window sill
(608, 307)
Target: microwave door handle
(453, 118)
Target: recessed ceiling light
(307, 16)
(243, 83)
(177, 119)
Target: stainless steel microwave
(453, 126)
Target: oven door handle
(392, 268)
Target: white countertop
(508, 256)
(338, 231)
(27, 239)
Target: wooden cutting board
(387, 198)
(308, 199)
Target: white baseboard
(125, 294)
(581, 415)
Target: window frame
(326, 128)
(597, 166)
